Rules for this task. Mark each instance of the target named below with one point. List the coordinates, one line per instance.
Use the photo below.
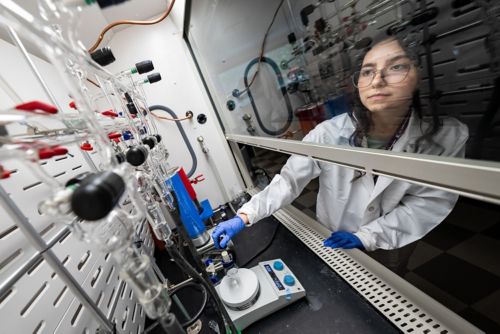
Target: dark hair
(361, 116)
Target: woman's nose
(378, 79)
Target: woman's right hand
(226, 230)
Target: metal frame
(470, 178)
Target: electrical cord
(263, 45)
(172, 119)
(195, 317)
(188, 269)
(284, 92)
(265, 248)
(131, 22)
(183, 134)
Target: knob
(289, 280)
(278, 265)
(103, 56)
(155, 77)
(150, 141)
(158, 138)
(144, 66)
(137, 155)
(97, 195)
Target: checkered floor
(458, 263)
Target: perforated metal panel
(33, 298)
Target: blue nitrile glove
(341, 239)
(227, 230)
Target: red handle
(34, 106)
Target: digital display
(274, 277)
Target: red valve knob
(72, 105)
(59, 150)
(45, 153)
(86, 147)
(109, 113)
(114, 135)
(4, 174)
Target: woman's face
(395, 78)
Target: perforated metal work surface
(33, 298)
(406, 307)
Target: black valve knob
(131, 108)
(121, 157)
(155, 77)
(107, 3)
(150, 141)
(103, 56)
(144, 66)
(77, 179)
(137, 155)
(158, 138)
(97, 195)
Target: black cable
(183, 134)
(195, 317)
(278, 224)
(284, 92)
(203, 277)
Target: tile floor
(458, 263)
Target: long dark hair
(361, 116)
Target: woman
(361, 210)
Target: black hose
(281, 82)
(183, 134)
(195, 317)
(200, 275)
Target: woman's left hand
(345, 240)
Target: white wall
(181, 90)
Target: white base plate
(271, 297)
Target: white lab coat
(387, 214)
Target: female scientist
(364, 211)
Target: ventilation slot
(83, 260)
(28, 187)
(60, 174)
(8, 231)
(76, 315)
(96, 276)
(10, 258)
(33, 299)
(47, 229)
(35, 266)
(39, 328)
(5, 296)
(76, 167)
(59, 296)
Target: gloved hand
(345, 240)
(227, 230)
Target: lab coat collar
(405, 143)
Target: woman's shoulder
(453, 128)
(332, 130)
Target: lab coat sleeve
(420, 210)
(286, 186)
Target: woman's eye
(399, 67)
(366, 73)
